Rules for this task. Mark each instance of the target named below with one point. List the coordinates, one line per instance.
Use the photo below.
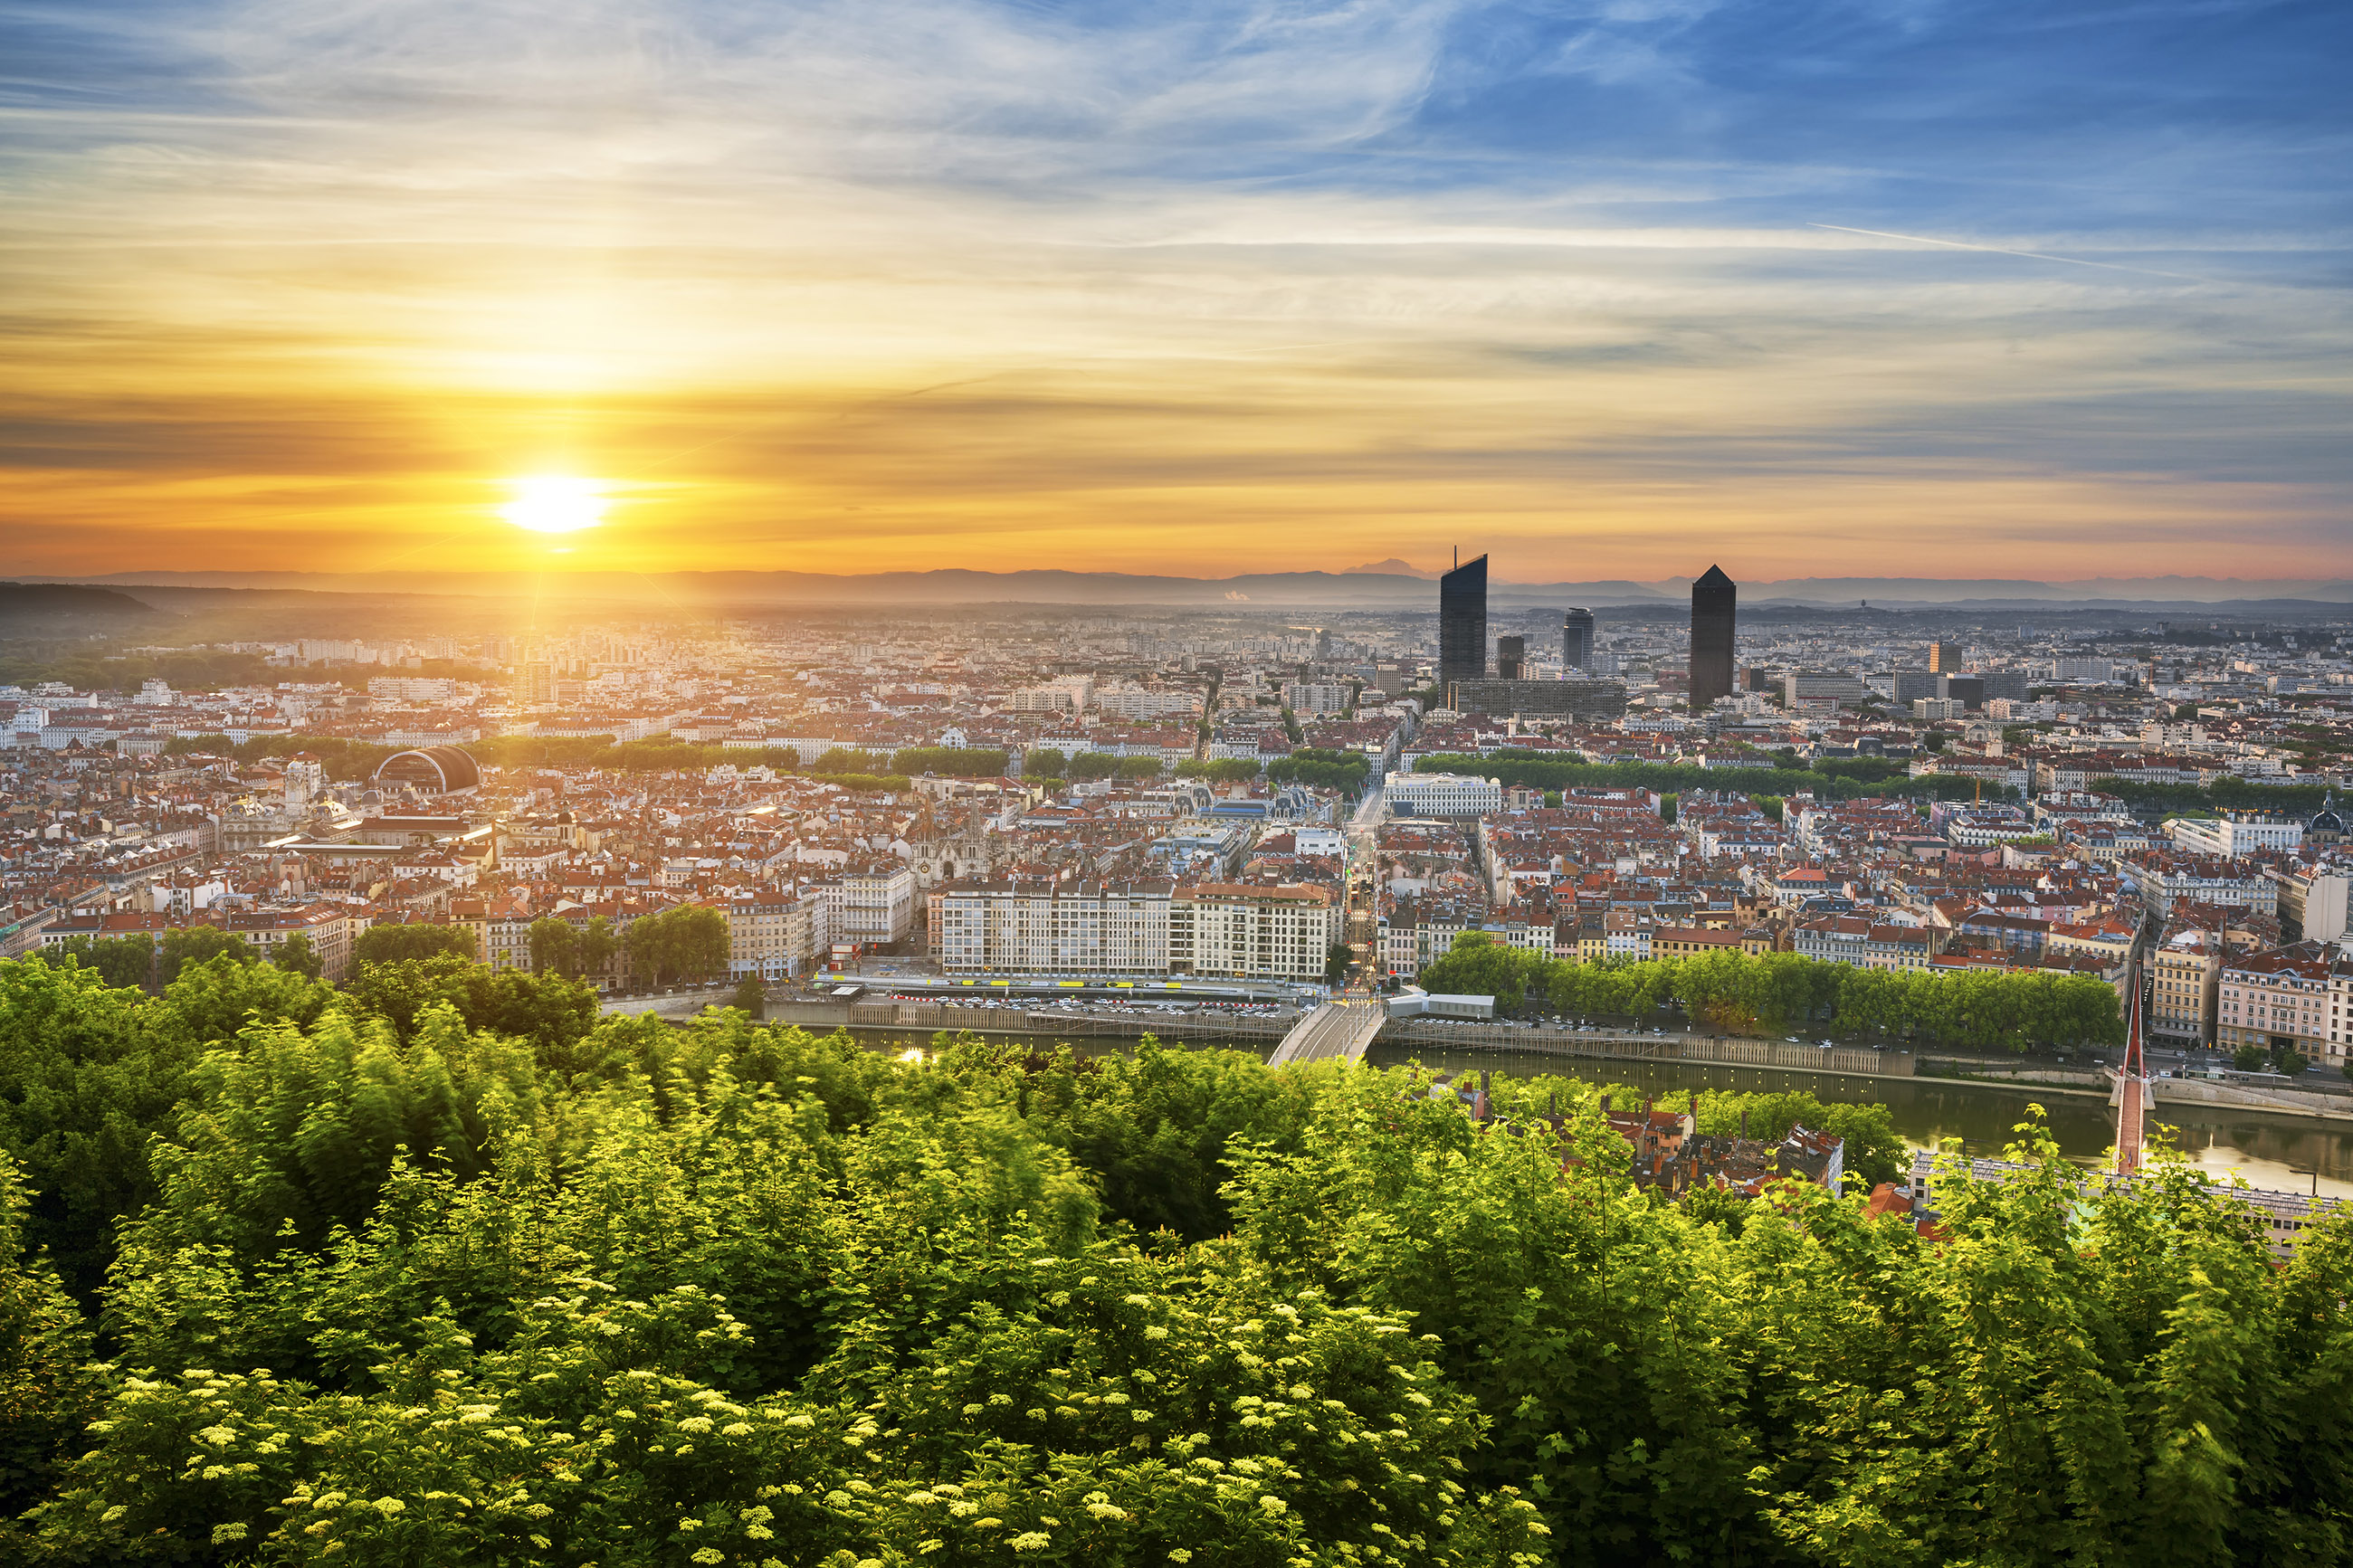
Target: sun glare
(555, 503)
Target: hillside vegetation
(286, 1280)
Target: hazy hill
(67, 609)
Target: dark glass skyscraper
(1463, 623)
(1576, 639)
(1714, 601)
(1511, 659)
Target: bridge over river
(1335, 1032)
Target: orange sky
(319, 314)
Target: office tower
(1511, 659)
(1714, 602)
(1322, 645)
(1463, 623)
(1967, 690)
(1943, 658)
(1577, 639)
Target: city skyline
(676, 287)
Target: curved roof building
(434, 770)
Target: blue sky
(1194, 288)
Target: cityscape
(1009, 783)
(1946, 792)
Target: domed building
(432, 769)
(2328, 825)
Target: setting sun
(554, 504)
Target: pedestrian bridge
(1337, 1031)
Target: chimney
(1605, 1105)
(1694, 1109)
(1743, 1121)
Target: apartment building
(2234, 833)
(777, 933)
(501, 931)
(874, 906)
(1694, 942)
(1852, 938)
(264, 932)
(2166, 880)
(2290, 995)
(1053, 927)
(2316, 898)
(1253, 932)
(2186, 968)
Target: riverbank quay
(2220, 1093)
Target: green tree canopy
(550, 1010)
(687, 940)
(119, 959)
(426, 1290)
(974, 762)
(296, 955)
(197, 944)
(1219, 770)
(397, 943)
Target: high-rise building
(1943, 658)
(1577, 639)
(1714, 601)
(1511, 659)
(1463, 623)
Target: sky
(1605, 288)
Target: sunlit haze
(1609, 290)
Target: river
(2286, 1154)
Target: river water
(2286, 1154)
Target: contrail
(1998, 250)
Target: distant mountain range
(1387, 585)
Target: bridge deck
(1336, 1031)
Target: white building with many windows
(1080, 928)
(1052, 928)
(1249, 931)
(776, 934)
(873, 907)
(1441, 794)
(2234, 833)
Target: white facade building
(1057, 927)
(871, 906)
(2234, 833)
(1441, 794)
(1306, 696)
(776, 936)
(1253, 932)
(1081, 929)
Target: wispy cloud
(1179, 287)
